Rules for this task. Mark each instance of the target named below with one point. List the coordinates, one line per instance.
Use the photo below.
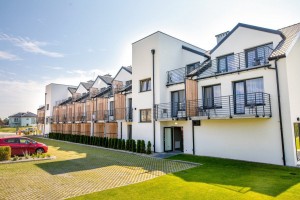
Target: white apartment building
(239, 100)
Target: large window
(212, 97)
(248, 93)
(145, 115)
(226, 63)
(258, 55)
(145, 85)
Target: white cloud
(54, 67)
(8, 56)
(31, 46)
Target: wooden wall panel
(191, 88)
(119, 106)
(99, 129)
(101, 107)
(111, 130)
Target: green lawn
(297, 143)
(8, 130)
(215, 179)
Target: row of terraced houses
(240, 100)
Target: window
(128, 82)
(145, 115)
(111, 108)
(212, 97)
(129, 131)
(47, 106)
(192, 67)
(12, 140)
(258, 55)
(248, 93)
(226, 63)
(145, 85)
(16, 119)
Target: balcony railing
(170, 110)
(80, 117)
(176, 76)
(233, 63)
(234, 106)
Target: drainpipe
(193, 132)
(280, 115)
(153, 89)
(45, 109)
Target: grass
(78, 170)
(8, 130)
(297, 143)
(214, 179)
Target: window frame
(147, 110)
(256, 54)
(213, 98)
(226, 62)
(111, 108)
(148, 85)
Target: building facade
(22, 119)
(239, 100)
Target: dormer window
(258, 55)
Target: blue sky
(71, 41)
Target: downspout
(280, 115)
(193, 132)
(45, 109)
(153, 89)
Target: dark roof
(107, 79)
(87, 85)
(127, 88)
(103, 92)
(41, 108)
(72, 89)
(250, 27)
(195, 51)
(83, 96)
(290, 34)
(68, 100)
(23, 114)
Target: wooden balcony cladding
(54, 128)
(76, 128)
(70, 112)
(85, 129)
(89, 110)
(191, 90)
(99, 129)
(62, 110)
(55, 114)
(67, 128)
(79, 109)
(41, 113)
(119, 106)
(111, 130)
(117, 85)
(100, 107)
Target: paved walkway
(79, 170)
(2, 134)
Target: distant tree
(1, 123)
(6, 121)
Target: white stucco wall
(123, 76)
(99, 83)
(81, 89)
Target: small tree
(143, 146)
(149, 148)
(138, 146)
(133, 148)
(127, 145)
(119, 143)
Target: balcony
(250, 105)
(234, 63)
(234, 106)
(80, 117)
(41, 120)
(172, 110)
(176, 76)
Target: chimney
(107, 75)
(221, 36)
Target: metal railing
(80, 116)
(234, 62)
(176, 76)
(233, 106)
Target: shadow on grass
(240, 176)
(99, 158)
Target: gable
(81, 89)
(99, 83)
(123, 75)
(244, 37)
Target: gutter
(279, 110)
(153, 89)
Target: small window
(111, 108)
(212, 97)
(226, 63)
(258, 55)
(128, 83)
(47, 106)
(145, 115)
(145, 85)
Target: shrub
(138, 146)
(119, 143)
(5, 153)
(123, 145)
(133, 148)
(149, 148)
(127, 145)
(15, 158)
(26, 154)
(143, 146)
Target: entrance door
(178, 102)
(239, 97)
(178, 138)
(168, 139)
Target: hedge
(5, 153)
(114, 143)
